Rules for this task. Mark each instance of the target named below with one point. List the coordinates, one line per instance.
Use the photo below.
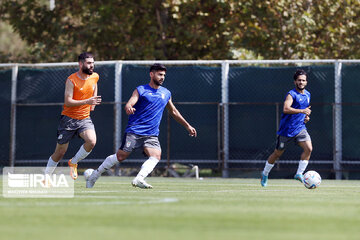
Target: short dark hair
(157, 67)
(299, 72)
(85, 55)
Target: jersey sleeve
(140, 90)
(97, 77)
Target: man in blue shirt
(145, 108)
(292, 128)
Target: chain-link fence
(234, 105)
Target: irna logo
(36, 180)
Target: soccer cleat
(90, 182)
(264, 180)
(140, 183)
(73, 170)
(299, 177)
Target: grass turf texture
(188, 209)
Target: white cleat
(140, 183)
(90, 182)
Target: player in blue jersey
(296, 112)
(145, 108)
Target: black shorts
(69, 128)
(283, 141)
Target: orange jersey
(83, 89)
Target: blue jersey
(149, 109)
(292, 124)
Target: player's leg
(304, 141)
(269, 165)
(86, 130)
(152, 149)
(147, 167)
(108, 163)
(55, 158)
(127, 146)
(304, 161)
(64, 134)
(279, 150)
(89, 137)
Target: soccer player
(80, 98)
(145, 108)
(292, 128)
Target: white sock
(50, 166)
(302, 166)
(80, 155)
(267, 168)
(147, 167)
(108, 163)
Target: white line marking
(82, 203)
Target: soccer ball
(88, 173)
(312, 179)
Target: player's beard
(157, 82)
(300, 88)
(87, 71)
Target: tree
(12, 46)
(304, 29)
(115, 29)
(186, 29)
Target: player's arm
(287, 109)
(180, 119)
(70, 102)
(94, 95)
(129, 106)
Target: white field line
(82, 203)
(210, 191)
(323, 185)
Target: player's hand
(192, 131)
(307, 111)
(307, 118)
(129, 110)
(96, 100)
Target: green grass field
(188, 209)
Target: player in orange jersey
(80, 98)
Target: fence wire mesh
(236, 131)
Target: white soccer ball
(88, 173)
(312, 179)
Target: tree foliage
(185, 29)
(115, 29)
(303, 29)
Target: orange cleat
(73, 170)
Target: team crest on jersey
(163, 96)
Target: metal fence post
(117, 110)
(168, 138)
(14, 76)
(225, 101)
(338, 122)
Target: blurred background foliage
(179, 29)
